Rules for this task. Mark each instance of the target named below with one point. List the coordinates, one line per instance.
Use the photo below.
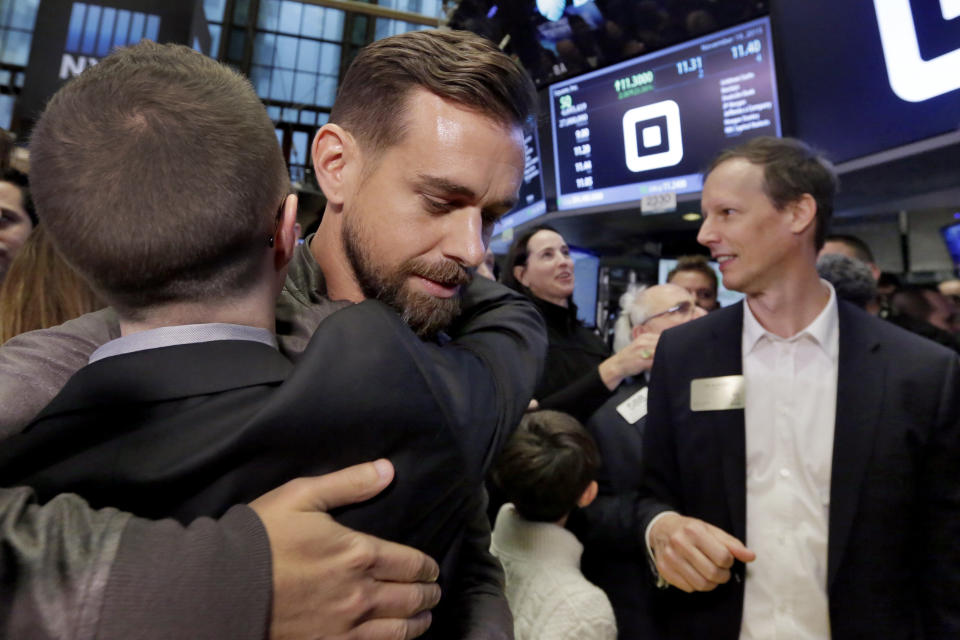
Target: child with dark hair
(546, 470)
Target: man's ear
(334, 152)
(285, 237)
(518, 272)
(589, 494)
(636, 331)
(803, 213)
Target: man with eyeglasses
(614, 557)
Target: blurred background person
(547, 470)
(488, 268)
(855, 248)
(943, 314)
(851, 278)
(17, 216)
(614, 557)
(694, 274)
(622, 335)
(41, 290)
(913, 311)
(951, 289)
(580, 373)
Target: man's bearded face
(424, 313)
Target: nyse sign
(73, 36)
(97, 30)
(70, 66)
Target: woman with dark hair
(580, 372)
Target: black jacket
(571, 380)
(893, 559)
(614, 552)
(189, 430)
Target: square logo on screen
(913, 78)
(651, 136)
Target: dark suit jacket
(614, 553)
(893, 551)
(190, 430)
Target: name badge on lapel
(634, 407)
(717, 394)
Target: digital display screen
(531, 202)
(649, 125)
(951, 236)
(891, 75)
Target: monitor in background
(951, 237)
(650, 125)
(888, 75)
(725, 296)
(530, 202)
(586, 271)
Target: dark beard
(425, 314)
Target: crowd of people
(212, 430)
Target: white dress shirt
(791, 406)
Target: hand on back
(333, 582)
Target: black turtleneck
(571, 379)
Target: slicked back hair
(458, 66)
(159, 176)
(790, 169)
(547, 465)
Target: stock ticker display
(649, 125)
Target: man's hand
(333, 582)
(632, 360)
(693, 555)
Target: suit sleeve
(34, 366)
(481, 604)
(485, 376)
(580, 398)
(940, 526)
(611, 522)
(71, 571)
(660, 471)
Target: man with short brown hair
(423, 213)
(415, 178)
(801, 474)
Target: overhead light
(691, 217)
(552, 10)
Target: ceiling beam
(376, 11)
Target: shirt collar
(182, 334)
(824, 329)
(534, 541)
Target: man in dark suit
(196, 370)
(826, 440)
(614, 555)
